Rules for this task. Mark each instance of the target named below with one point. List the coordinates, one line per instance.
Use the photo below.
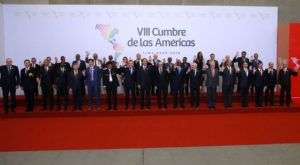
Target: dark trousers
(6, 91)
(47, 92)
(244, 94)
(130, 89)
(29, 97)
(195, 97)
(94, 90)
(143, 91)
(186, 89)
(62, 92)
(211, 96)
(269, 95)
(180, 91)
(287, 92)
(111, 91)
(227, 95)
(259, 92)
(77, 97)
(162, 91)
(36, 89)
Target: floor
(275, 154)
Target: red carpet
(136, 129)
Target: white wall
(1, 39)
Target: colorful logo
(108, 33)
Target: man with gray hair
(9, 81)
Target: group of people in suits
(145, 78)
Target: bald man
(9, 81)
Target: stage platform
(67, 130)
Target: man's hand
(87, 54)
(139, 86)
(236, 54)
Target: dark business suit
(244, 80)
(129, 84)
(75, 81)
(195, 81)
(171, 67)
(186, 66)
(47, 82)
(271, 81)
(144, 80)
(178, 79)
(137, 64)
(9, 80)
(240, 61)
(36, 69)
(28, 80)
(253, 64)
(259, 83)
(161, 82)
(93, 79)
(284, 79)
(229, 80)
(81, 67)
(61, 82)
(212, 80)
(110, 81)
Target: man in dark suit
(259, 83)
(61, 84)
(36, 68)
(129, 74)
(93, 78)
(170, 65)
(240, 61)
(186, 66)
(254, 62)
(271, 81)
(137, 64)
(111, 83)
(245, 76)
(27, 83)
(46, 76)
(195, 81)
(144, 83)
(178, 79)
(9, 81)
(284, 80)
(161, 83)
(75, 80)
(81, 67)
(229, 80)
(212, 80)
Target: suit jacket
(114, 82)
(28, 79)
(212, 81)
(144, 77)
(284, 79)
(178, 79)
(61, 77)
(240, 61)
(244, 79)
(36, 68)
(81, 64)
(195, 79)
(97, 73)
(161, 79)
(216, 64)
(9, 79)
(75, 82)
(137, 64)
(229, 79)
(129, 78)
(254, 63)
(259, 78)
(66, 65)
(47, 77)
(270, 78)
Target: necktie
(9, 69)
(110, 77)
(195, 72)
(76, 74)
(260, 71)
(246, 72)
(92, 74)
(160, 71)
(130, 71)
(213, 73)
